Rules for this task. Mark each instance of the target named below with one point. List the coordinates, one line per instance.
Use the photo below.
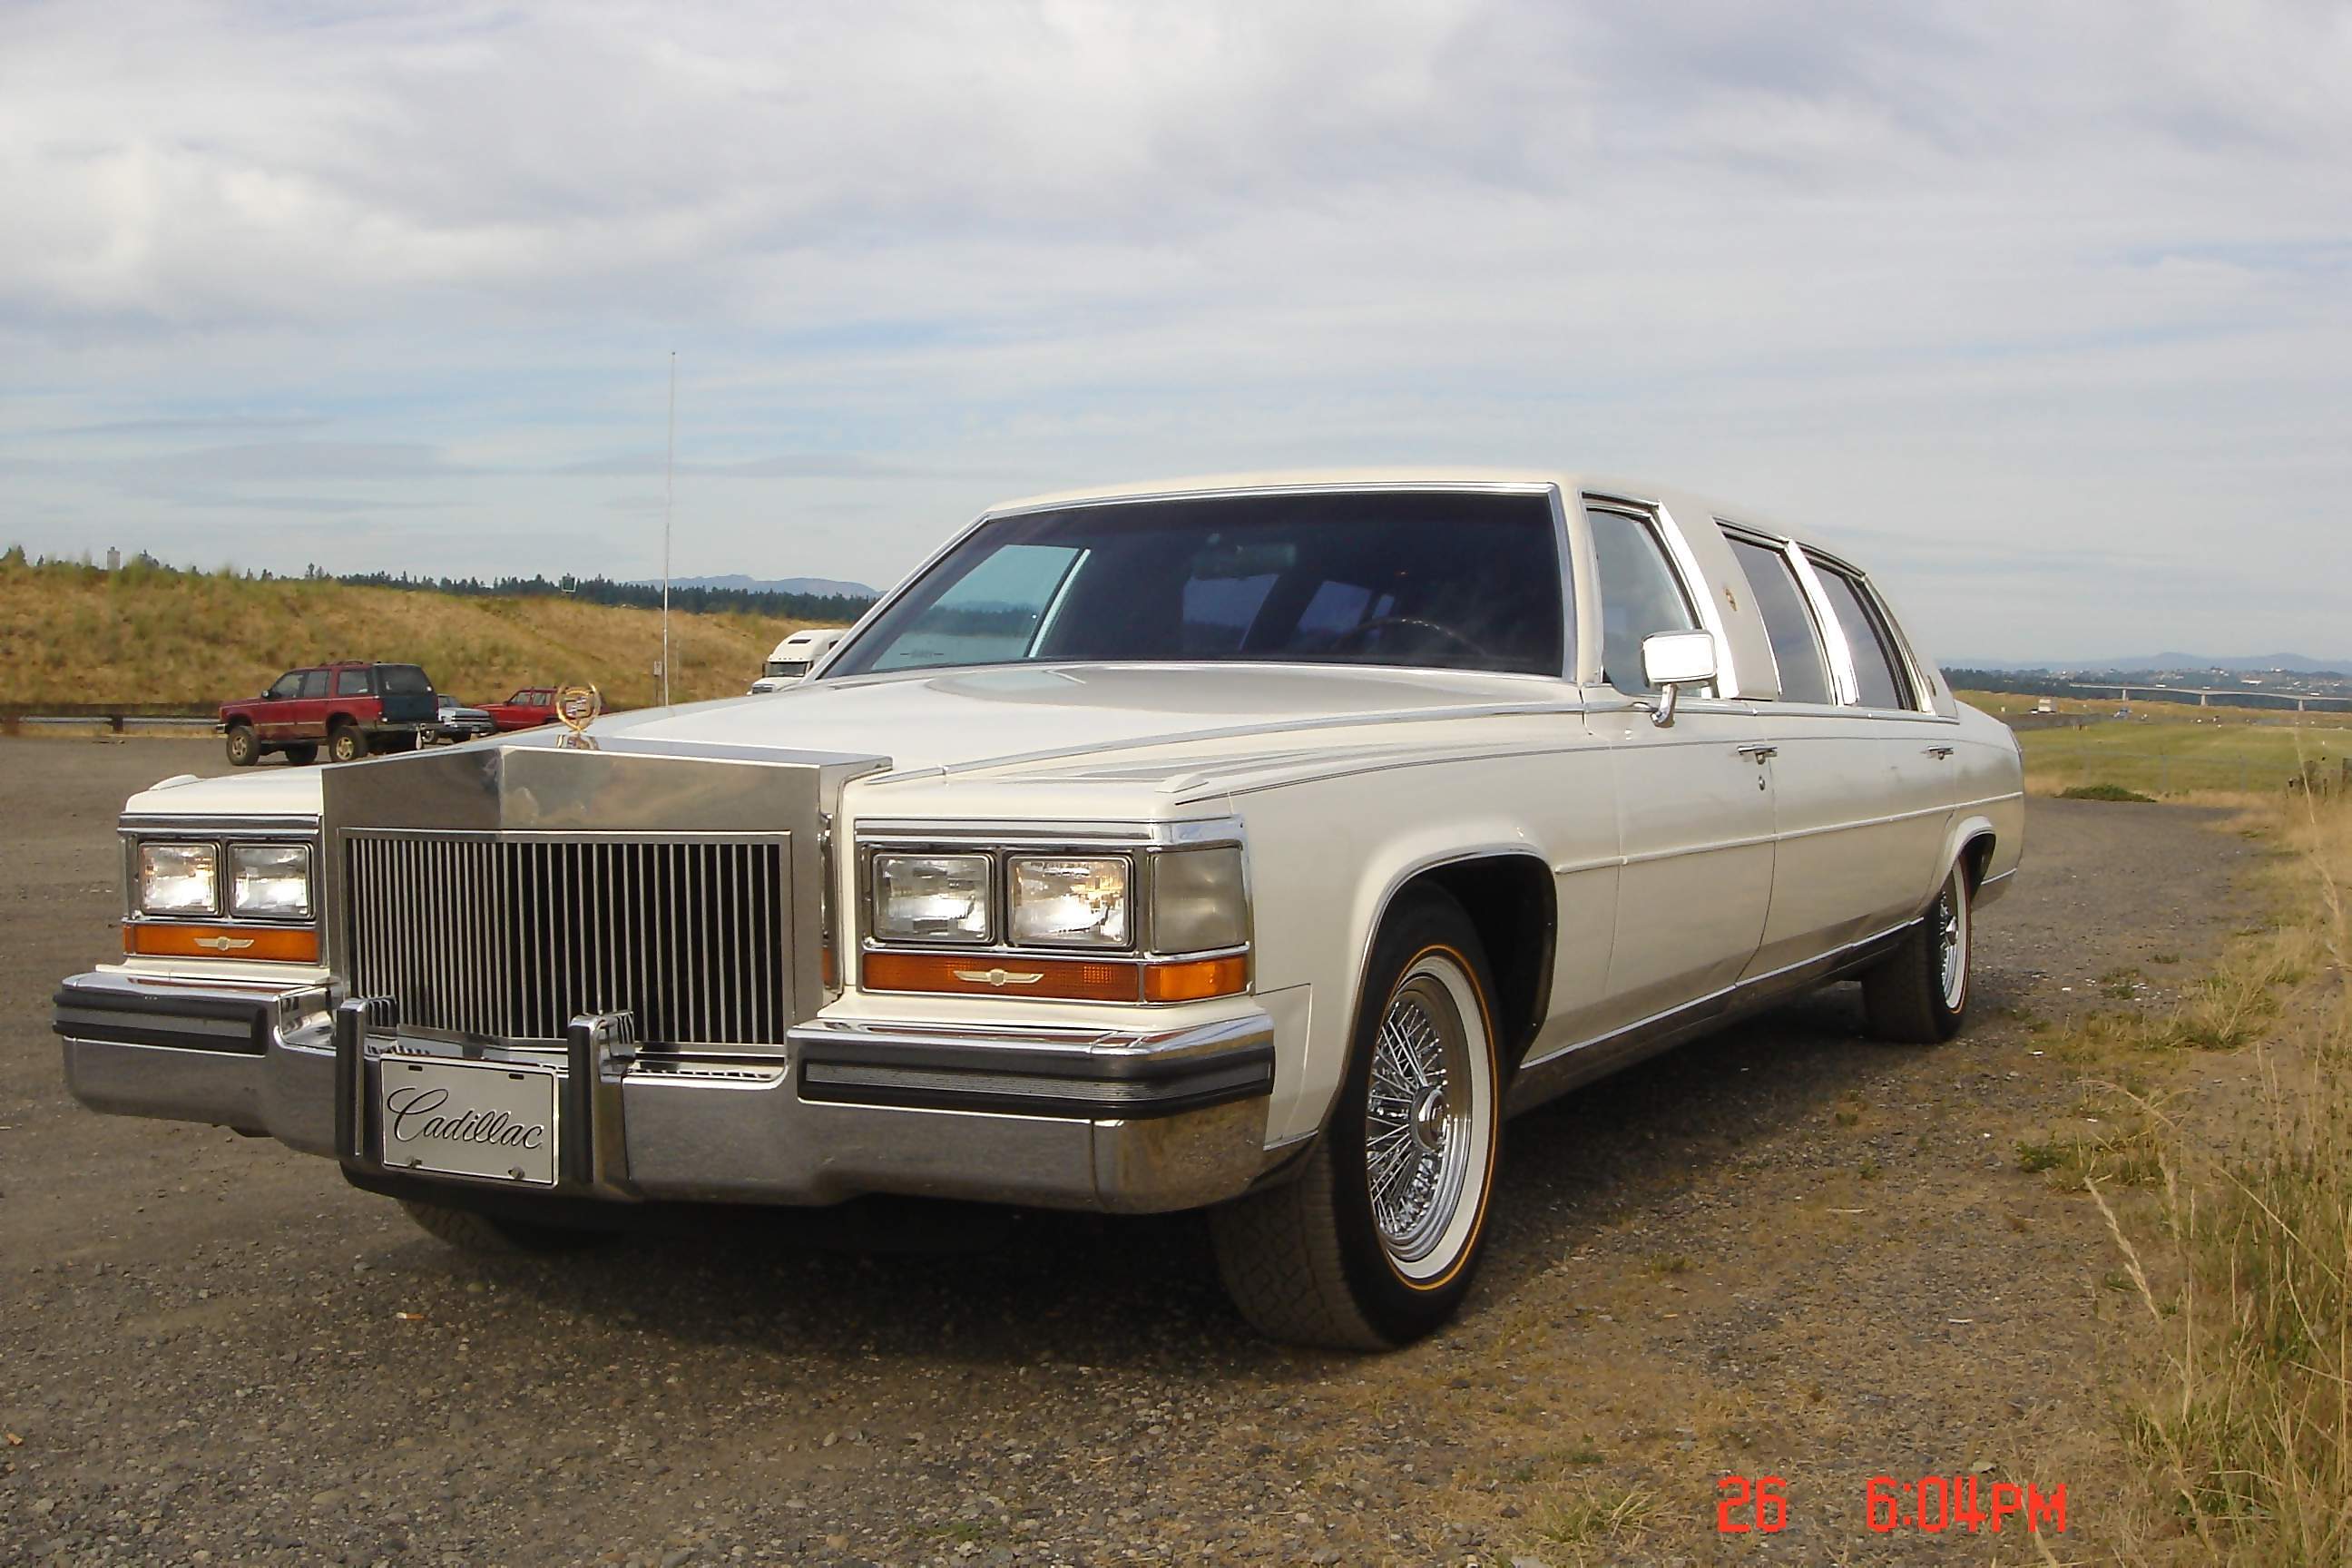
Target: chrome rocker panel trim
(1557, 1072)
(1141, 1121)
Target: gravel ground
(1779, 1251)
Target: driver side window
(1639, 595)
(288, 685)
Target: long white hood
(971, 720)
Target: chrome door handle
(1939, 751)
(1757, 750)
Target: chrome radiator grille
(510, 937)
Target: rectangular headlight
(1199, 903)
(179, 878)
(269, 881)
(1070, 900)
(931, 897)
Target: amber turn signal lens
(1195, 979)
(1000, 975)
(274, 944)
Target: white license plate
(467, 1118)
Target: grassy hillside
(73, 634)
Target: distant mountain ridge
(826, 587)
(2250, 664)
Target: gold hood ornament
(578, 707)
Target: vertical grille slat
(706, 927)
(510, 938)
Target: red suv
(354, 708)
(526, 709)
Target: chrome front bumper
(1127, 1122)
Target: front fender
(1347, 897)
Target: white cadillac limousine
(1255, 846)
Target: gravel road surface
(1783, 1251)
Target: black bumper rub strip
(985, 1077)
(1031, 1061)
(143, 1019)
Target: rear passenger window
(1787, 622)
(1877, 671)
(1639, 595)
(314, 683)
(351, 683)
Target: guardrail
(115, 716)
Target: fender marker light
(1195, 979)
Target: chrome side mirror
(1672, 660)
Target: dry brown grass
(2241, 1263)
(1590, 1516)
(70, 634)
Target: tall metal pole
(669, 498)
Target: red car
(350, 706)
(526, 709)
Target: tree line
(599, 590)
(607, 591)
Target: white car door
(1831, 778)
(1693, 798)
(1912, 747)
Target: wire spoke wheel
(1417, 1128)
(1375, 1240)
(1919, 994)
(1952, 940)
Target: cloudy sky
(2041, 309)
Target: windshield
(787, 669)
(1430, 578)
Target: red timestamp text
(1937, 1503)
(1764, 1502)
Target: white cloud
(2030, 282)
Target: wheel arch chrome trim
(1557, 1072)
(1402, 877)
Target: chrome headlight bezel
(1176, 913)
(220, 843)
(1165, 892)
